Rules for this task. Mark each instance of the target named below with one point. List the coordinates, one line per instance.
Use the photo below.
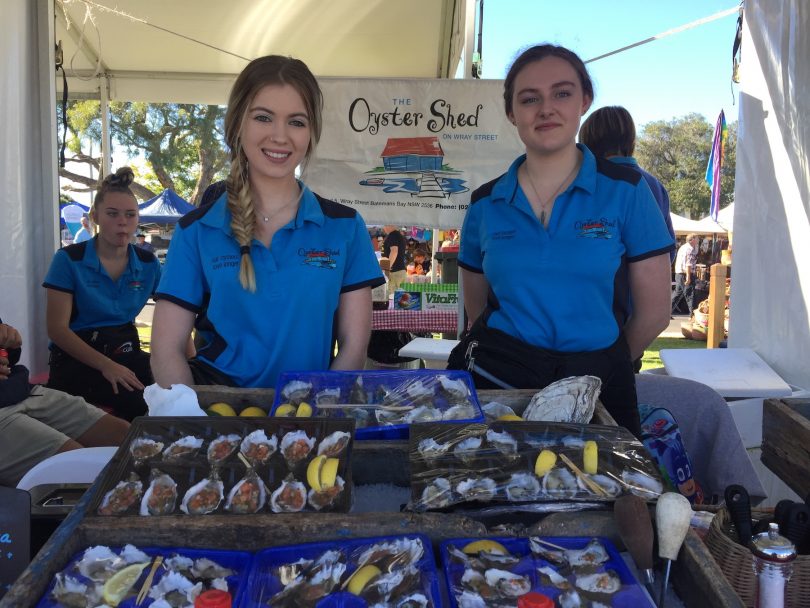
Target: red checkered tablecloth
(437, 321)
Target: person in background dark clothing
(610, 133)
(685, 263)
(395, 248)
(140, 241)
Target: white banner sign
(410, 152)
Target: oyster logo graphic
(320, 258)
(415, 166)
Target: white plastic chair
(73, 466)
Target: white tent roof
(725, 218)
(190, 51)
(683, 225)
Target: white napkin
(179, 400)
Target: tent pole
(106, 139)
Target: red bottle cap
(214, 598)
(535, 600)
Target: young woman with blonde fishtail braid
(269, 273)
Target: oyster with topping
(333, 445)
(296, 446)
(258, 448)
(249, 494)
(185, 447)
(221, 448)
(203, 497)
(161, 496)
(289, 497)
(122, 497)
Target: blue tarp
(166, 208)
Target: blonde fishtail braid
(243, 219)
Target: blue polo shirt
(98, 301)
(289, 322)
(659, 193)
(564, 288)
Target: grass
(651, 356)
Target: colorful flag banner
(715, 166)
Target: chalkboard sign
(15, 535)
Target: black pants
(121, 344)
(683, 292)
(522, 365)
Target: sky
(668, 78)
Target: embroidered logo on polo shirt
(502, 235)
(594, 229)
(126, 347)
(136, 286)
(320, 258)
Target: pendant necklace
(553, 196)
(267, 218)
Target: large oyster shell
(568, 400)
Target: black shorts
(122, 345)
(504, 361)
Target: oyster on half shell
(568, 400)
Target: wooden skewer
(595, 487)
(548, 544)
(156, 563)
(244, 459)
(377, 406)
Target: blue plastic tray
(238, 561)
(631, 595)
(262, 585)
(344, 380)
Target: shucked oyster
(296, 446)
(185, 447)
(122, 497)
(483, 489)
(290, 497)
(258, 448)
(143, 449)
(568, 400)
(332, 445)
(438, 494)
(161, 496)
(203, 497)
(296, 391)
(248, 495)
(222, 447)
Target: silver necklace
(553, 196)
(267, 218)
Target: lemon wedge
(545, 462)
(362, 577)
(220, 409)
(590, 458)
(490, 546)
(119, 585)
(304, 410)
(314, 472)
(285, 410)
(252, 412)
(329, 473)
(510, 418)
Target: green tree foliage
(677, 153)
(180, 144)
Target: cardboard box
(440, 300)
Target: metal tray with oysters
(526, 462)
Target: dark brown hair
(119, 181)
(269, 70)
(609, 131)
(536, 53)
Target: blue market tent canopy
(166, 208)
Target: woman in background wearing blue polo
(95, 289)
(553, 250)
(268, 272)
